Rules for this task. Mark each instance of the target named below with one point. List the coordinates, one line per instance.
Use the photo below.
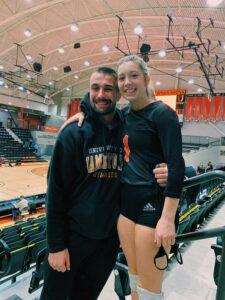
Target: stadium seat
(122, 284)
(38, 274)
(218, 251)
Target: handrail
(205, 234)
(203, 178)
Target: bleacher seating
(19, 246)
(23, 133)
(15, 151)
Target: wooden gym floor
(27, 180)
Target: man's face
(103, 93)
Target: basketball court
(29, 179)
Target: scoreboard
(175, 99)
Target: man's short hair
(108, 71)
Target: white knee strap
(147, 295)
(133, 281)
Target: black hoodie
(83, 181)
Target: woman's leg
(149, 277)
(126, 230)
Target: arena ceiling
(31, 31)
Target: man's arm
(61, 176)
(60, 261)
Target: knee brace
(147, 295)
(133, 281)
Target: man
(83, 197)
(21, 207)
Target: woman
(148, 215)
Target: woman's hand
(79, 117)
(165, 233)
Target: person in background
(21, 207)
(83, 197)
(209, 166)
(200, 169)
(148, 215)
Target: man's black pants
(91, 261)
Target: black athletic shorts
(143, 204)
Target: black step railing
(205, 234)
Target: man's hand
(79, 117)
(60, 261)
(161, 174)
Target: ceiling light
(214, 3)
(179, 69)
(55, 68)
(27, 32)
(76, 76)
(162, 53)
(28, 57)
(61, 50)
(1, 82)
(199, 90)
(105, 48)
(1, 67)
(138, 29)
(87, 63)
(191, 81)
(157, 83)
(28, 92)
(67, 89)
(74, 27)
(50, 83)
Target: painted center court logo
(148, 207)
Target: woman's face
(131, 82)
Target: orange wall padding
(223, 110)
(198, 108)
(206, 108)
(73, 108)
(189, 108)
(216, 108)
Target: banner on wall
(175, 99)
(73, 107)
(50, 129)
(205, 107)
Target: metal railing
(205, 234)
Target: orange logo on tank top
(126, 148)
